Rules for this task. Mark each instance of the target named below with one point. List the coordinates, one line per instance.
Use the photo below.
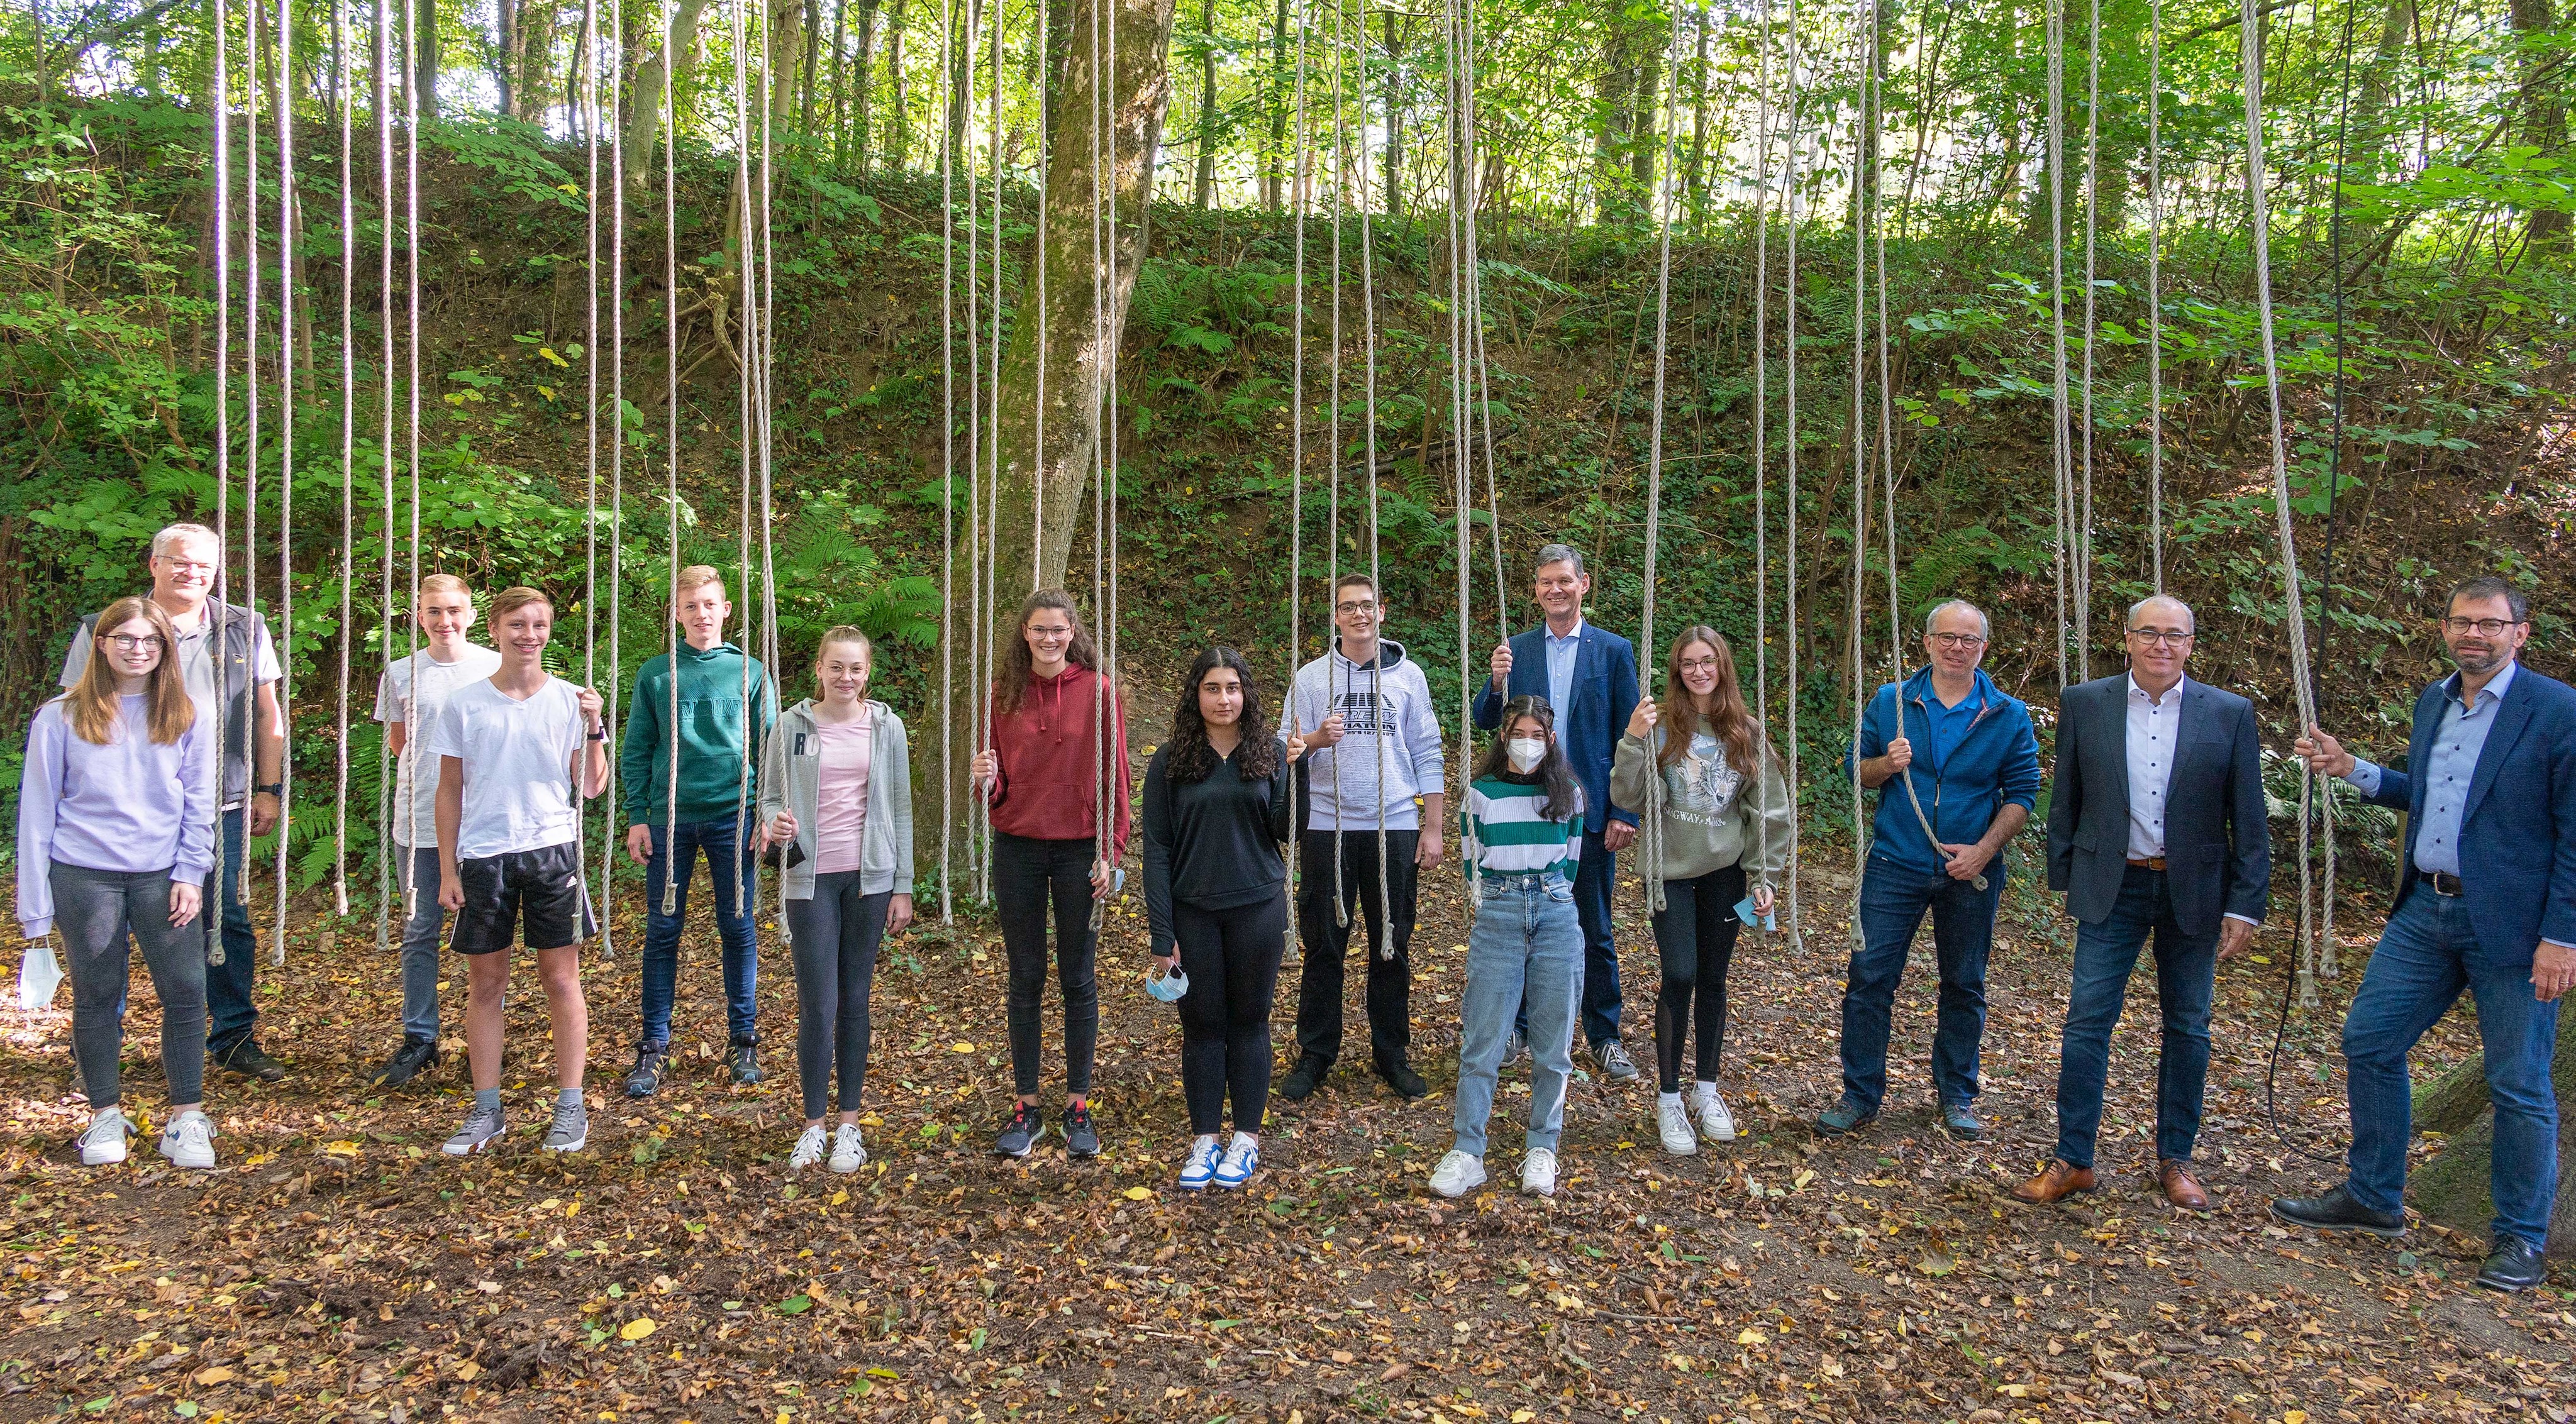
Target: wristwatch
(272, 788)
(599, 734)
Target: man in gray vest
(231, 670)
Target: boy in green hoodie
(691, 786)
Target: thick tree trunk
(2452, 1187)
(644, 105)
(1044, 489)
(2544, 114)
(424, 69)
(1203, 187)
(1281, 95)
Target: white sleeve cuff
(2249, 919)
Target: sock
(487, 1100)
(568, 1097)
(1668, 1100)
(1703, 1090)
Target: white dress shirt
(2155, 726)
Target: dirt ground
(335, 1266)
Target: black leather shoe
(2515, 1266)
(2337, 1211)
(1303, 1080)
(246, 1059)
(408, 1062)
(1407, 1084)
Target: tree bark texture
(2452, 1187)
(1043, 490)
(644, 109)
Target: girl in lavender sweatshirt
(116, 827)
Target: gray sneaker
(570, 1130)
(1514, 1046)
(1615, 1063)
(483, 1127)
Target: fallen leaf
(637, 1328)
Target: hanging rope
(993, 390)
(768, 403)
(2250, 38)
(2155, 301)
(1465, 333)
(947, 456)
(286, 209)
(1368, 397)
(1650, 850)
(2083, 569)
(1761, 433)
(1333, 512)
(385, 468)
(238, 875)
(746, 293)
(2058, 435)
(1862, 31)
(415, 745)
(613, 62)
(1789, 346)
(671, 457)
(586, 59)
(347, 79)
(220, 111)
(1297, 200)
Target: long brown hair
(1193, 757)
(1726, 718)
(1018, 666)
(92, 705)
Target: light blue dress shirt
(1561, 654)
(2447, 771)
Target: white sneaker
(1199, 1168)
(188, 1140)
(1673, 1125)
(1538, 1173)
(1458, 1174)
(1242, 1159)
(103, 1145)
(1715, 1122)
(848, 1153)
(809, 1149)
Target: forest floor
(336, 1266)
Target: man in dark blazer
(2155, 827)
(2486, 903)
(1589, 675)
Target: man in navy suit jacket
(2487, 903)
(1589, 675)
(2156, 828)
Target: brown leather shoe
(2181, 1187)
(2055, 1183)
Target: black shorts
(536, 895)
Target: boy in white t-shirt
(511, 749)
(412, 693)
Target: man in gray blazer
(2155, 826)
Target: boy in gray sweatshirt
(1372, 786)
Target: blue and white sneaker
(1242, 1159)
(1201, 1166)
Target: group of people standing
(145, 778)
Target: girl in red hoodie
(1058, 740)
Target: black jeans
(1326, 942)
(1232, 958)
(833, 941)
(1030, 877)
(1695, 933)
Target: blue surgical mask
(1168, 987)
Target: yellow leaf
(342, 1149)
(2295, 1416)
(549, 353)
(637, 1328)
(468, 1371)
(1750, 1336)
(839, 1197)
(961, 1046)
(1140, 1194)
(214, 1376)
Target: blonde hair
(511, 600)
(93, 705)
(693, 576)
(445, 583)
(844, 633)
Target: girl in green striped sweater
(1524, 819)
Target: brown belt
(2153, 862)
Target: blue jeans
(1525, 948)
(730, 865)
(2186, 975)
(231, 1015)
(1594, 874)
(1893, 901)
(420, 934)
(2426, 956)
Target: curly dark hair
(1256, 759)
(1562, 799)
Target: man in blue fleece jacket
(1971, 760)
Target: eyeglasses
(128, 642)
(1959, 640)
(1354, 608)
(2168, 637)
(2483, 627)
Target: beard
(2479, 664)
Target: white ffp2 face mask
(1525, 753)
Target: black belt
(2442, 883)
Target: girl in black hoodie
(1217, 808)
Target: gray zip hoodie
(1390, 700)
(791, 780)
